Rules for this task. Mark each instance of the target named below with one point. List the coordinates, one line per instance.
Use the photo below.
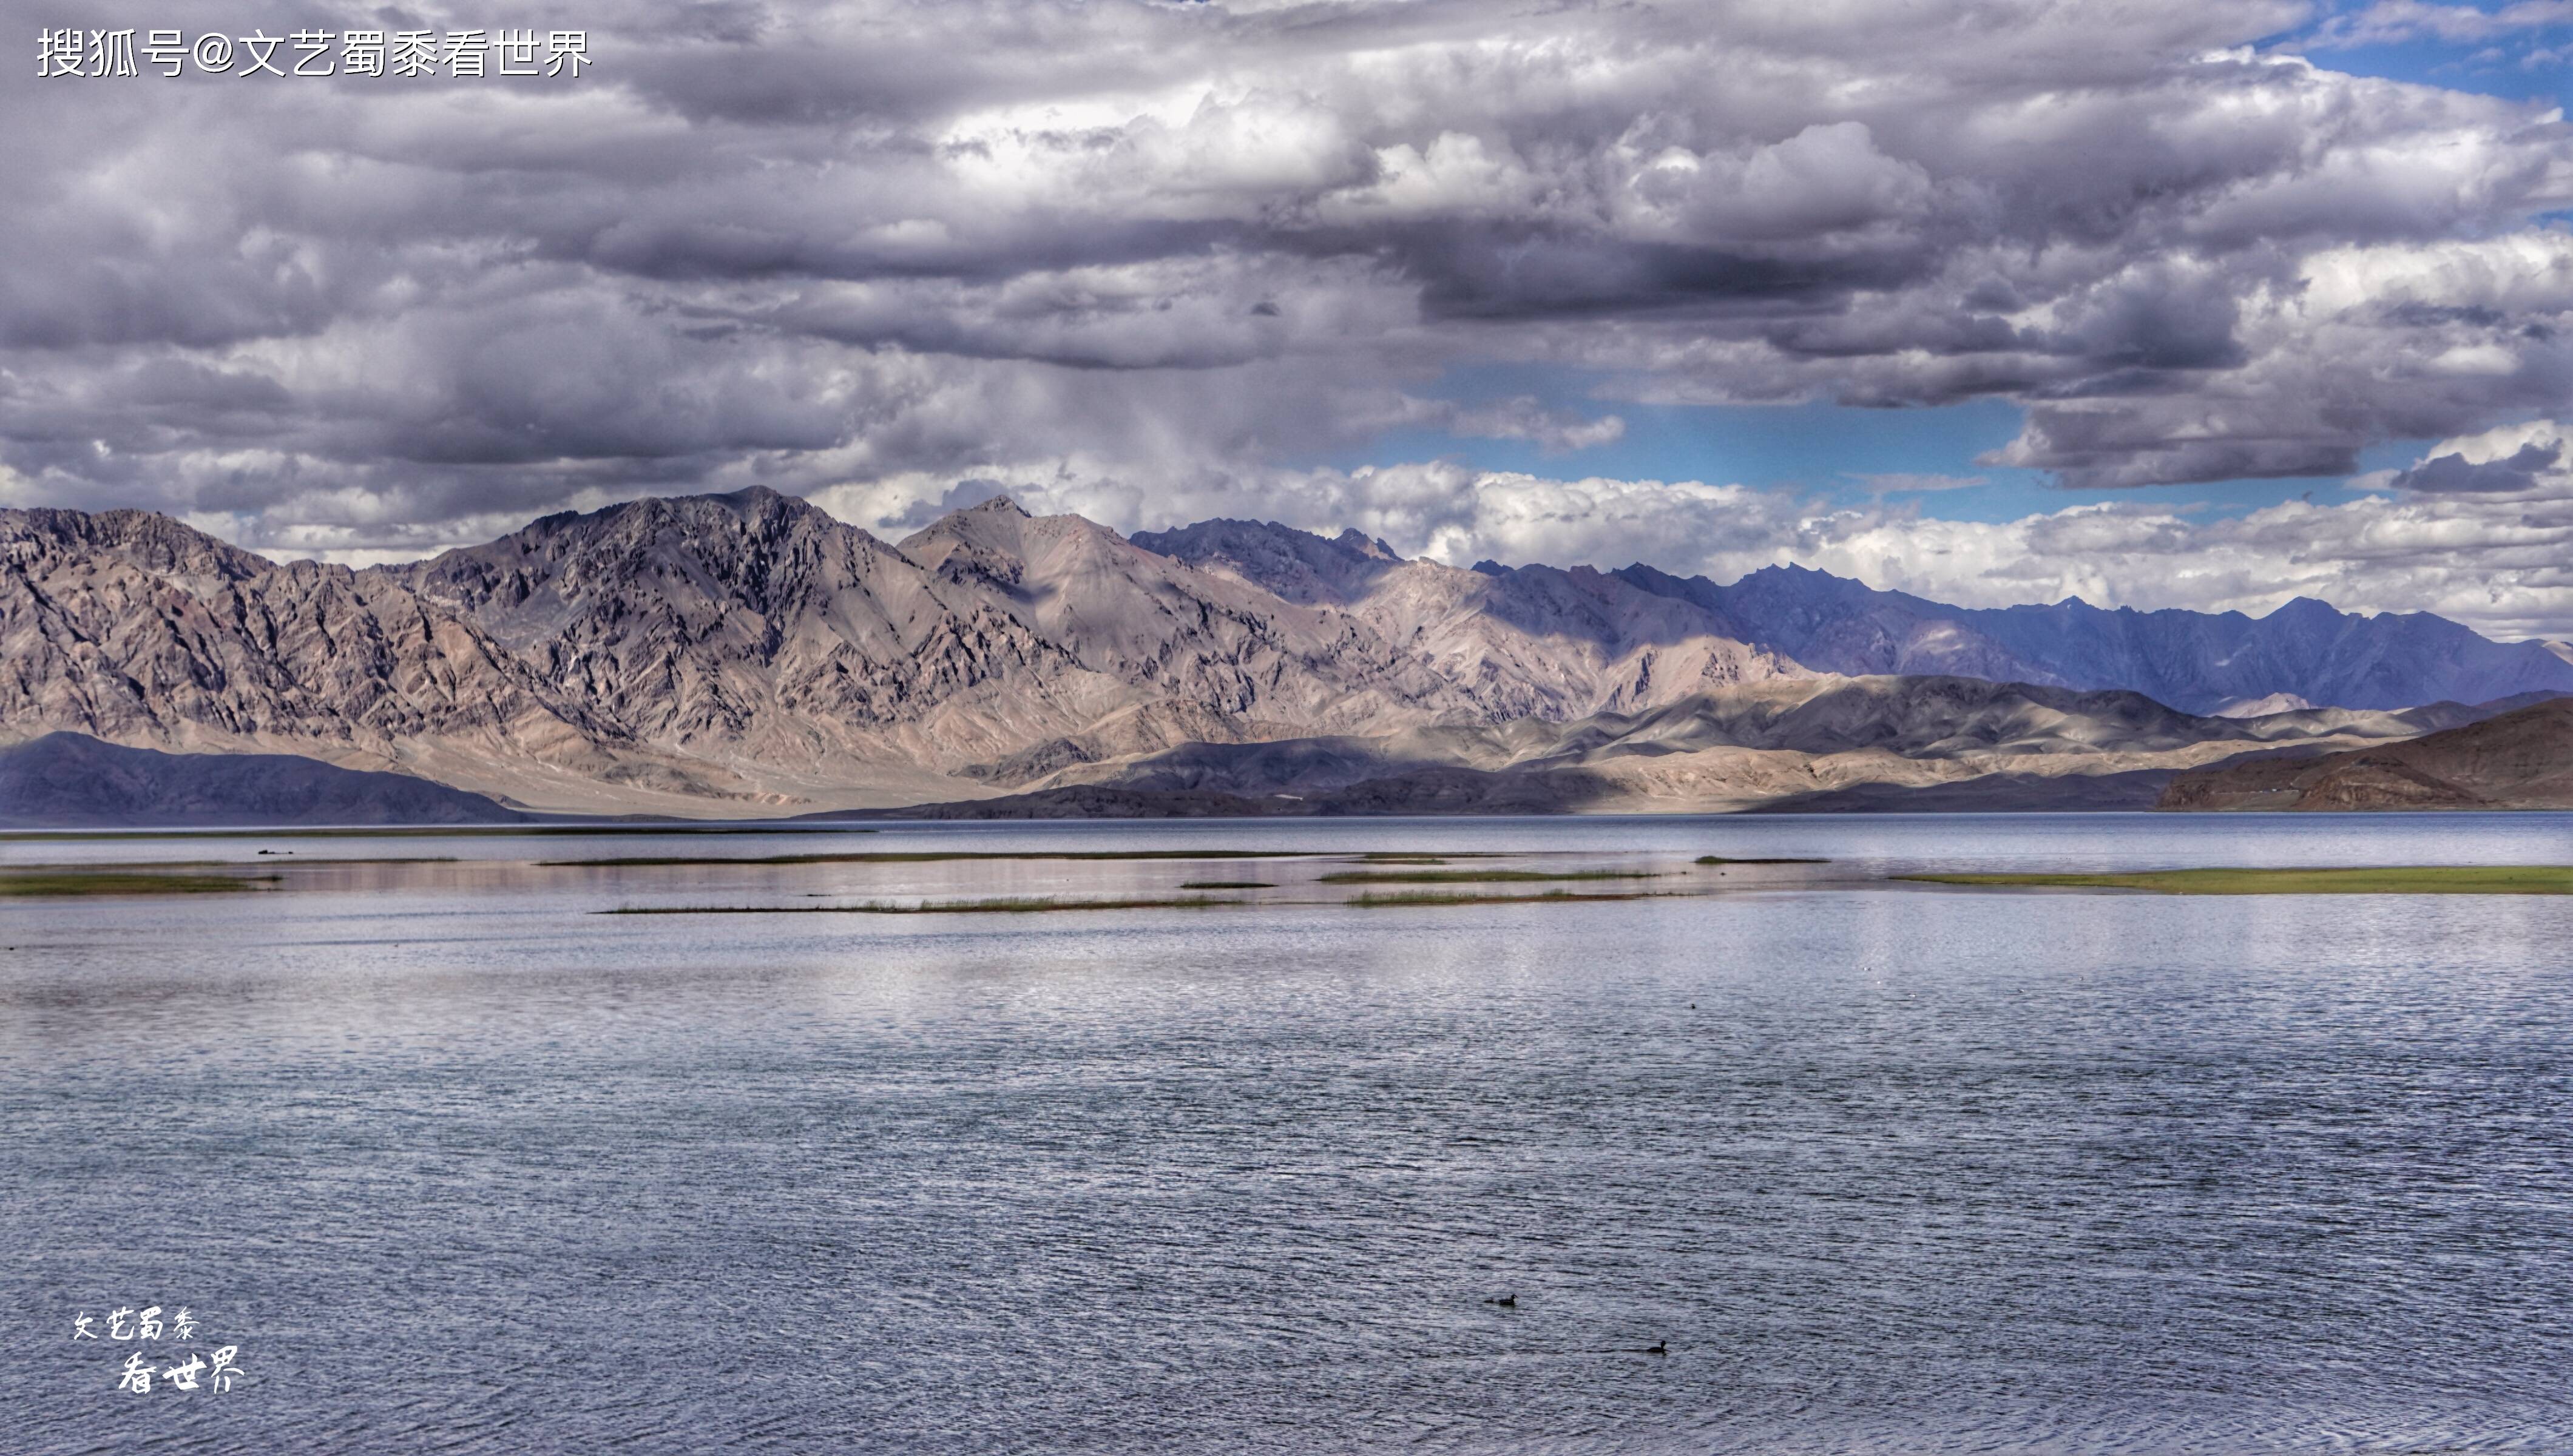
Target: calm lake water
(455, 1162)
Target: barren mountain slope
(1527, 642)
(2519, 759)
(1178, 636)
(755, 632)
(132, 627)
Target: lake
(454, 1161)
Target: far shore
(2395, 880)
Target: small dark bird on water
(1506, 1301)
(1658, 1347)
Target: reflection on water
(464, 1164)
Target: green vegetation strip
(432, 831)
(2403, 880)
(1550, 897)
(1226, 885)
(1019, 906)
(1721, 860)
(81, 882)
(335, 861)
(95, 867)
(1476, 877)
(931, 857)
(1442, 856)
(167, 866)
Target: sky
(2157, 302)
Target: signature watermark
(214, 1371)
(98, 54)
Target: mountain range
(2304, 654)
(749, 655)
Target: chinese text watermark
(73, 51)
(214, 1371)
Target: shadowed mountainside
(1443, 790)
(69, 780)
(2518, 760)
(1790, 741)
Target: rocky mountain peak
(993, 541)
(642, 584)
(2308, 612)
(1300, 566)
(147, 541)
(1359, 542)
(676, 516)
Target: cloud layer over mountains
(1149, 261)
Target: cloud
(1902, 482)
(2453, 473)
(1553, 431)
(871, 250)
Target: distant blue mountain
(2199, 662)
(2195, 661)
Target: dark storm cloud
(887, 247)
(2453, 473)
